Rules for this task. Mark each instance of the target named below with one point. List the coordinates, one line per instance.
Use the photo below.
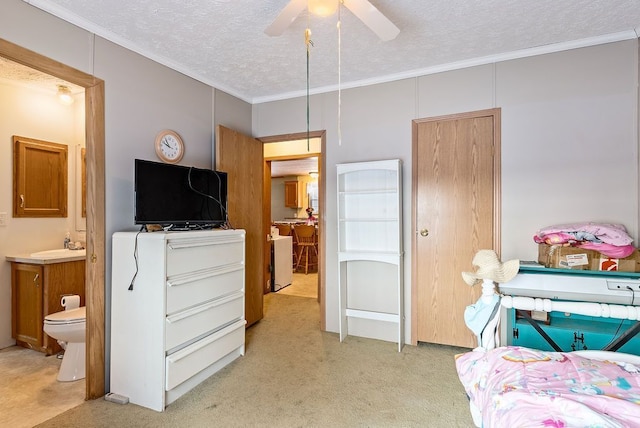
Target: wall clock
(169, 146)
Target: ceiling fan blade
(373, 18)
(286, 17)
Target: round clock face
(169, 146)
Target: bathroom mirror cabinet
(39, 178)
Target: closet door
(456, 198)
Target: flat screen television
(179, 197)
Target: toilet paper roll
(71, 301)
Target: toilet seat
(72, 316)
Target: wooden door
(455, 190)
(27, 295)
(241, 157)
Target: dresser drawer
(191, 323)
(184, 291)
(187, 362)
(195, 254)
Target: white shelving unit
(370, 250)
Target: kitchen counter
(291, 221)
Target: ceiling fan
(363, 9)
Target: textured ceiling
(20, 75)
(294, 167)
(222, 42)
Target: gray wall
(569, 141)
(278, 210)
(141, 98)
(569, 128)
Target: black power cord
(223, 209)
(135, 257)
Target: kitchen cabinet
(370, 251)
(36, 291)
(292, 195)
(296, 192)
(177, 311)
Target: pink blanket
(520, 387)
(612, 240)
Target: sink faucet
(67, 240)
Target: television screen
(179, 197)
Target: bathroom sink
(61, 252)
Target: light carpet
(302, 286)
(294, 375)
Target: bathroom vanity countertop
(47, 260)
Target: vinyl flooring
(29, 389)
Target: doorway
(456, 207)
(295, 147)
(294, 207)
(95, 208)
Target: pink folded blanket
(612, 240)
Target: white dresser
(177, 311)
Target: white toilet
(69, 328)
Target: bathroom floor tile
(29, 389)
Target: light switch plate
(3, 219)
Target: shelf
(379, 256)
(380, 316)
(369, 220)
(370, 249)
(391, 191)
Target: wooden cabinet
(36, 292)
(370, 252)
(291, 194)
(177, 311)
(295, 193)
(39, 178)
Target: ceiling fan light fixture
(64, 95)
(323, 7)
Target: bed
(513, 386)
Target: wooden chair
(285, 229)
(306, 238)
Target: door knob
(424, 232)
